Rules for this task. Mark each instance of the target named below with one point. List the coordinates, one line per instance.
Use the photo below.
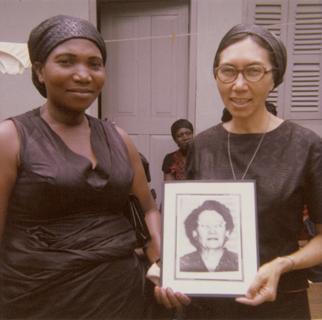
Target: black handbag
(134, 213)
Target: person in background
(173, 165)
(284, 159)
(308, 231)
(208, 228)
(67, 251)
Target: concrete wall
(214, 19)
(17, 18)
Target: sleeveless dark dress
(67, 251)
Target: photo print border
(181, 269)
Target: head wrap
(276, 45)
(52, 32)
(181, 123)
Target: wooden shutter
(271, 14)
(304, 43)
(299, 25)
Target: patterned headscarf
(275, 44)
(52, 32)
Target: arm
(167, 162)
(141, 190)
(264, 286)
(9, 146)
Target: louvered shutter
(299, 25)
(271, 14)
(304, 43)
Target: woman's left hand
(264, 286)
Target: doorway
(147, 73)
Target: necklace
(253, 156)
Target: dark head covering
(52, 32)
(181, 123)
(276, 46)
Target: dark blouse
(174, 163)
(288, 174)
(192, 262)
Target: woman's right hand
(166, 296)
(171, 299)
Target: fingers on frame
(162, 297)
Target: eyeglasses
(252, 73)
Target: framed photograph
(209, 245)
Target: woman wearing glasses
(283, 158)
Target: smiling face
(241, 97)
(211, 230)
(73, 74)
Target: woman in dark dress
(283, 158)
(67, 251)
(174, 163)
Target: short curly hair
(191, 221)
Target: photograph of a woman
(208, 228)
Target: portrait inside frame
(209, 243)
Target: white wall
(17, 18)
(214, 19)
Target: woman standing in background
(173, 165)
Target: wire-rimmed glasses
(227, 73)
